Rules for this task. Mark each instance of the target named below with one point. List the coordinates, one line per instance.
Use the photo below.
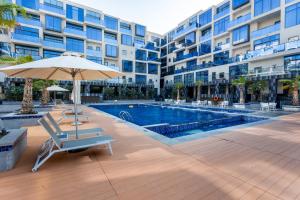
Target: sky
(160, 16)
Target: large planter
(12, 146)
(291, 108)
(16, 121)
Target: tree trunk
(27, 104)
(198, 93)
(296, 94)
(45, 96)
(242, 100)
(178, 94)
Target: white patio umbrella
(54, 89)
(69, 66)
(76, 93)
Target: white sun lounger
(65, 116)
(56, 145)
(96, 131)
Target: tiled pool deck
(256, 162)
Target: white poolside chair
(66, 115)
(272, 106)
(56, 145)
(68, 134)
(224, 104)
(209, 103)
(264, 107)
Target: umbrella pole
(75, 107)
(55, 98)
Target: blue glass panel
(267, 41)
(190, 38)
(262, 6)
(141, 79)
(53, 23)
(202, 76)
(32, 4)
(75, 13)
(140, 67)
(240, 35)
(152, 68)
(221, 25)
(23, 30)
(140, 30)
(126, 40)
(51, 54)
(111, 23)
(205, 18)
(111, 51)
(205, 48)
(292, 15)
(93, 33)
(75, 45)
(140, 55)
(238, 3)
(127, 66)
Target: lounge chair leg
(39, 162)
(109, 148)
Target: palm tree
(293, 87)
(258, 87)
(178, 87)
(41, 85)
(198, 85)
(240, 84)
(8, 14)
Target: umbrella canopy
(55, 88)
(69, 66)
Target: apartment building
(258, 39)
(54, 26)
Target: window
(32, 4)
(292, 15)
(221, 26)
(238, 70)
(140, 55)
(238, 3)
(23, 30)
(75, 13)
(111, 23)
(190, 38)
(140, 79)
(51, 54)
(152, 56)
(75, 45)
(223, 8)
(266, 42)
(205, 48)
(213, 76)
(178, 79)
(152, 68)
(110, 37)
(95, 59)
(93, 15)
(94, 33)
(140, 30)
(127, 66)
(221, 58)
(74, 26)
(191, 63)
(202, 76)
(139, 41)
(189, 78)
(54, 3)
(205, 18)
(140, 67)
(292, 63)
(126, 40)
(111, 51)
(55, 39)
(52, 23)
(262, 6)
(25, 51)
(240, 35)
(221, 75)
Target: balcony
(221, 14)
(111, 41)
(126, 31)
(186, 56)
(269, 71)
(186, 30)
(28, 21)
(93, 20)
(75, 32)
(240, 20)
(52, 9)
(55, 45)
(26, 38)
(95, 53)
(265, 31)
(205, 37)
(222, 47)
(34, 57)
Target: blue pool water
(176, 122)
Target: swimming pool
(174, 122)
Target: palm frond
(8, 14)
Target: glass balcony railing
(34, 57)
(186, 56)
(205, 37)
(26, 38)
(126, 31)
(222, 14)
(153, 59)
(222, 47)
(240, 20)
(265, 31)
(52, 8)
(29, 21)
(75, 32)
(93, 20)
(268, 71)
(111, 41)
(186, 30)
(52, 44)
(92, 52)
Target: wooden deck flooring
(261, 162)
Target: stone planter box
(14, 121)
(291, 108)
(12, 147)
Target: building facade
(257, 39)
(53, 27)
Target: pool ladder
(125, 116)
